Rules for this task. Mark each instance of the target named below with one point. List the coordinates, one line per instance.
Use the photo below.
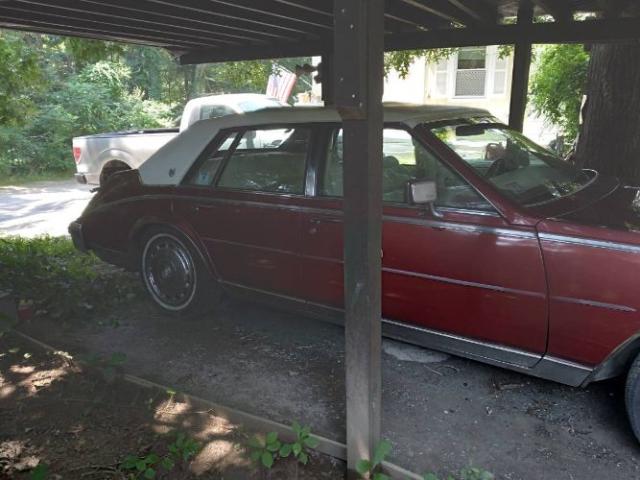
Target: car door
(459, 268)
(242, 204)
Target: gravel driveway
(440, 412)
(42, 208)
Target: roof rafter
(481, 11)
(127, 24)
(119, 11)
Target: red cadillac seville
(493, 249)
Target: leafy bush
(96, 100)
(57, 278)
(558, 85)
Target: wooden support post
(328, 79)
(358, 70)
(521, 70)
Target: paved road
(42, 208)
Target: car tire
(632, 396)
(175, 275)
(111, 168)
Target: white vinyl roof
(170, 164)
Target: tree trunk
(610, 138)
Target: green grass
(17, 180)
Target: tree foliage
(20, 78)
(55, 88)
(558, 85)
(401, 61)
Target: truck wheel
(175, 275)
(111, 168)
(632, 396)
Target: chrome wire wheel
(169, 272)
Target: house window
(471, 74)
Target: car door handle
(319, 220)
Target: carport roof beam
(202, 31)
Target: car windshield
(519, 168)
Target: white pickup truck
(98, 156)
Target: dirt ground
(81, 423)
(440, 413)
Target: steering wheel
(498, 167)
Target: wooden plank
(358, 96)
(521, 70)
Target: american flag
(281, 83)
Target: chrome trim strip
(464, 211)
(468, 228)
(248, 245)
(485, 351)
(263, 292)
(562, 371)
(592, 303)
(551, 368)
(465, 283)
(621, 247)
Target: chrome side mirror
(422, 192)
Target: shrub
(96, 100)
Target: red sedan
(493, 249)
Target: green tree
(558, 84)
(20, 78)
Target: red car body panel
(540, 281)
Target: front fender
(618, 361)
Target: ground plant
(49, 276)
(299, 447)
(371, 469)
(152, 465)
(266, 450)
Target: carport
(351, 36)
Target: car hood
(618, 208)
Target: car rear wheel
(632, 396)
(174, 275)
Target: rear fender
(181, 227)
(117, 155)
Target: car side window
(404, 160)
(268, 160)
(206, 170)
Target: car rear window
(268, 160)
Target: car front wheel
(174, 275)
(632, 396)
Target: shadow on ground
(81, 423)
(441, 413)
